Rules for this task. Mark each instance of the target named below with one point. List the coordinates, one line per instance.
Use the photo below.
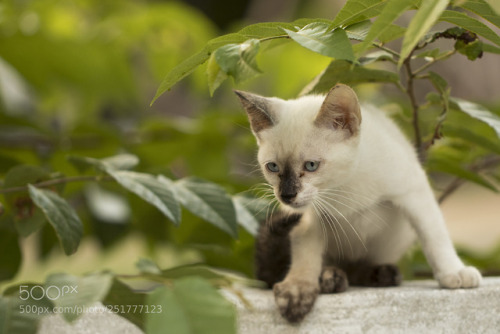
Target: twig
(433, 61)
(49, 183)
(410, 91)
(457, 182)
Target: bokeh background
(77, 78)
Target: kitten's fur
(356, 214)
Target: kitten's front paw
(295, 298)
(467, 277)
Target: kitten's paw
(295, 298)
(383, 276)
(333, 280)
(467, 277)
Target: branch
(488, 163)
(49, 183)
(410, 91)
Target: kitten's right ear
(258, 110)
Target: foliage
(81, 152)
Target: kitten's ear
(258, 110)
(340, 110)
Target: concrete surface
(415, 307)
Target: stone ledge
(415, 307)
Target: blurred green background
(77, 78)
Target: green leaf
(375, 56)
(491, 48)
(191, 306)
(471, 137)
(471, 24)
(358, 10)
(189, 65)
(495, 5)
(472, 50)
(215, 75)
(392, 10)
(347, 73)
(208, 201)
(9, 246)
(13, 321)
(61, 216)
(117, 162)
(249, 212)
(358, 31)
(120, 295)
(442, 87)
(391, 33)
(317, 37)
(239, 60)
(26, 219)
(426, 16)
(479, 112)
(442, 164)
(156, 191)
(72, 294)
(483, 9)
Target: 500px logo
(52, 292)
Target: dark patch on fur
(333, 280)
(272, 249)
(289, 184)
(364, 274)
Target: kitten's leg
(427, 219)
(296, 294)
(333, 280)
(364, 274)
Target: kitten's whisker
(323, 228)
(349, 223)
(332, 225)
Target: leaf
(191, 306)
(153, 190)
(118, 162)
(495, 5)
(392, 10)
(391, 33)
(189, 65)
(239, 60)
(249, 212)
(215, 75)
(442, 87)
(466, 134)
(208, 201)
(471, 24)
(26, 219)
(479, 112)
(375, 56)
(491, 48)
(347, 73)
(120, 294)
(72, 294)
(61, 216)
(358, 31)
(438, 163)
(358, 10)
(426, 16)
(318, 38)
(9, 246)
(483, 9)
(13, 321)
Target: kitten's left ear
(258, 109)
(340, 110)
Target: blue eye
(311, 166)
(272, 167)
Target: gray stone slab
(414, 307)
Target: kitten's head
(307, 145)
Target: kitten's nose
(288, 197)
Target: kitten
(355, 199)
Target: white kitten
(359, 189)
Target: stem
(49, 183)
(410, 91)
(386, 49)
(457, 182)
(434, 60)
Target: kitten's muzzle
(288, 197)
